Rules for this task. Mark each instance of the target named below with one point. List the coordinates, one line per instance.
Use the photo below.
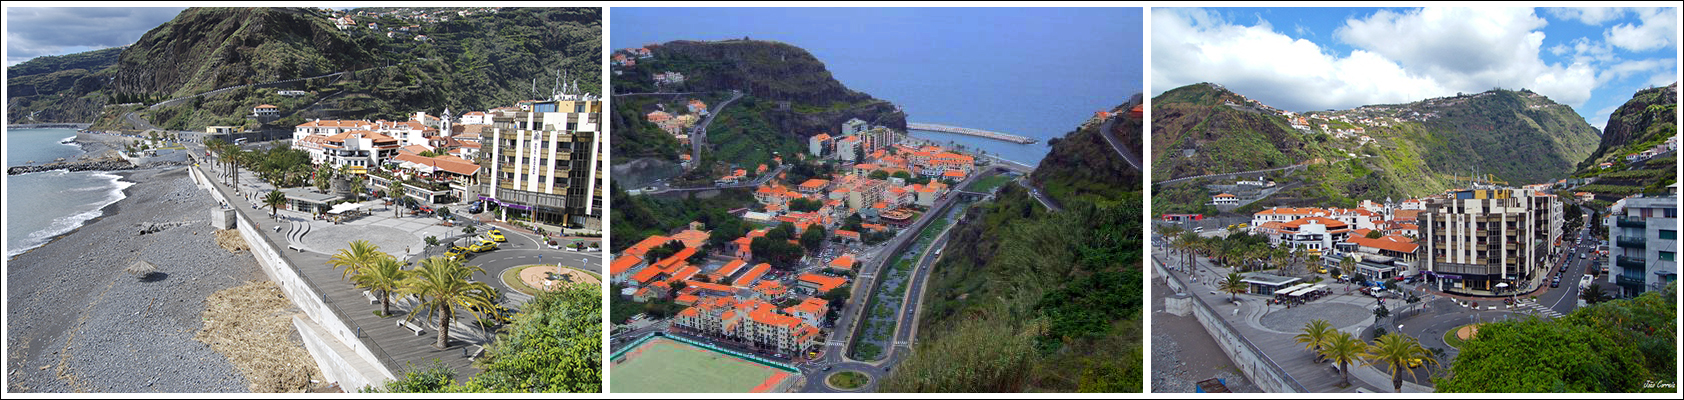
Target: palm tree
(1395, 351)
(1181, 247)
(1316, 334)
(1347, 264)
(1593, 294)
(384, 276)
(443, 285)
(1344, 349)
(359, 254)
(1234, 285)
(357, 188)
(324, 177)
(275, 199)
(393, 187)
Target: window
(1667, 256)
(1669, 234)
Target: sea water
(1035, 72)
(42, 205)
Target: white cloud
(1398, 57)
(1628, 68)
(1587, 15)
(1657, 28)
(1191, 46)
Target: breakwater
(100, 164)
(969, 132)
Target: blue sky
(1591, 59)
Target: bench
(413, 327)
(372, 299)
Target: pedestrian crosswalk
(1535, 308)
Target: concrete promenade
(401, 348)
(1248, 316)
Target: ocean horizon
(949, 66)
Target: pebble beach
(78, 323)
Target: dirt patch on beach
(245, 323)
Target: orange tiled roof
(846, 261)
(751, 275)
(623, 263)
(731, 268)
(823, 283)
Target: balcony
(1630, 280)
(1630, 262)
(1632, 242)
(1629, 222)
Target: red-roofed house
(622, 268)
(811, 310)
(820, 283)
(844, 262)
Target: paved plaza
(1337, 311)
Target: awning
(344, 207)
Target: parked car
(1555, 283)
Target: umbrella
(1502, 285)
(141, 268)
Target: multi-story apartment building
(753, 320)
(1643, 243)
(1477, 240)
(546, 161)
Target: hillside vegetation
(1431, 145)
(1645, 121)
(788, 96)
(471, 63)
(1030, 301)
(58, 88)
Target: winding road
(699, 133)
(1294, 166)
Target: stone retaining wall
(1247, 357)
(339, 335)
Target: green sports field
(662, 365)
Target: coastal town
(777, 289)
(1424, 271)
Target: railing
(1632, 242)
(1630, 262)
(1630, 222)
(1624, 280)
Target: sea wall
(332, 332)
(1256, 366)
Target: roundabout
(533, 279)
(1457, 337)
(847, 380)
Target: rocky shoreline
(77, 323)
(101, 164)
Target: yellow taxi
(495, 235)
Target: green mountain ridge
(1642, 123)
(788, 90)
(58, 88)
(1649, 118)
(470, 63)
(1423, 147)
